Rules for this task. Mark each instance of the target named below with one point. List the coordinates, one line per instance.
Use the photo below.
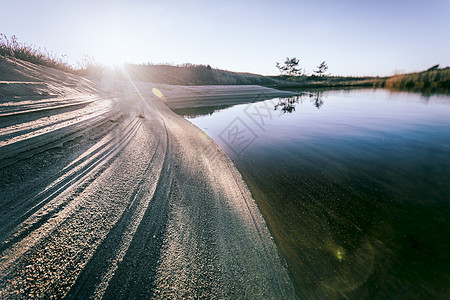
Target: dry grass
(436, 80)
(301, 82)
(11, 47)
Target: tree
(436, 67)
(321, 69)
(290, 67)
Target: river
(353, 184)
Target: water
(354, 186)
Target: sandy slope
(105, 192)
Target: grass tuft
(11, 47)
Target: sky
(354, 37)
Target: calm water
(354, 185)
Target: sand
(106, 193)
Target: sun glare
(111, 42)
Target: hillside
(431, 81)
(189, 74)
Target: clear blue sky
(376, 37)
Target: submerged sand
(106, 193)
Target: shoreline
(137, 200)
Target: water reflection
(316, 99)
(356, 195)
(193, 112)
(287, 105)
(284, 105)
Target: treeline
(313, 81)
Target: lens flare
(158, 94)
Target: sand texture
(106, 193)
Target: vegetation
(290, 67)
(313, 81)
(189, 74)
(321, 69)
(432, 80)
(186, 74)
(88, 65)
(13, 48)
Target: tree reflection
(287, 105)
(316, 98)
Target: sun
(113, 43)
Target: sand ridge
(106, 193)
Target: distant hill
(189, 74)
(434, 79)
